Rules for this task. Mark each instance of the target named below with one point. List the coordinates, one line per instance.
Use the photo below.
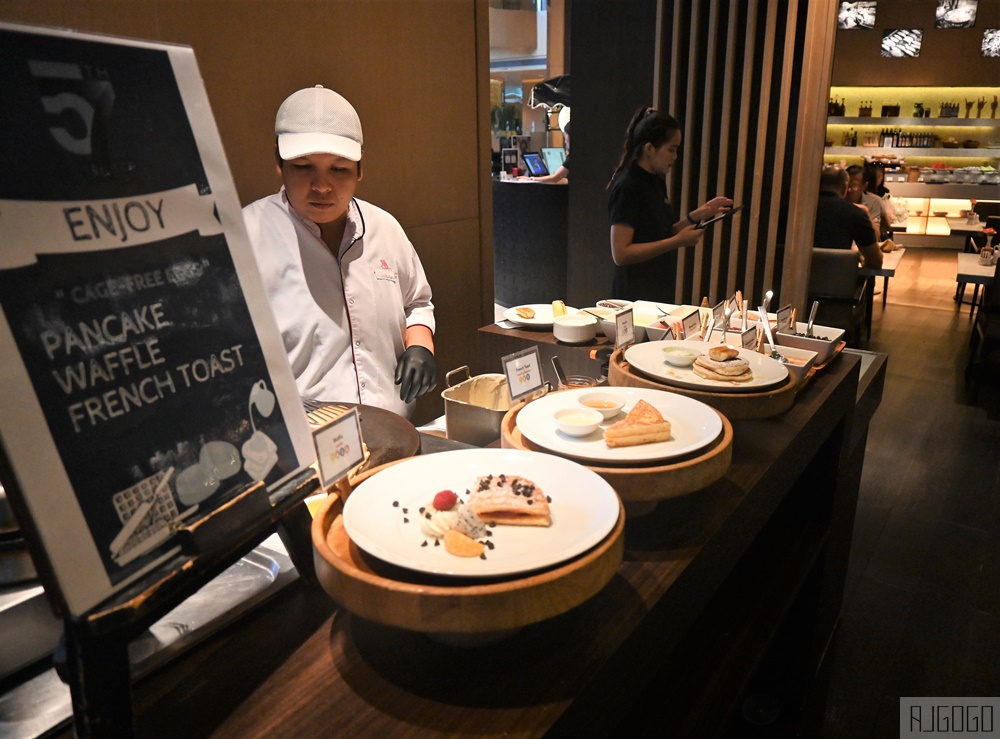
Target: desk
(971, 271)
(962, 226)
(888, 269)
(708, 582)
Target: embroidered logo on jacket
(385, 272)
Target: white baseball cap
(318, 121)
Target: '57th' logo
(79, 108)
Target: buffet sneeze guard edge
(152, 433)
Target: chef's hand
(416, 373)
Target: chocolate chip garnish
(395, 504)
(437, 542)
(424, 543)
(405, 519)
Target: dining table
(717, 588)
(890, 261)
(970, 231)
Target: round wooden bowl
(645, 483)
(454, 607)
(734, 406)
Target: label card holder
(624, 328)
(719, 312)
(692, 324)
(784, 319)
(736, 337)
(339, 447)
(523, 370)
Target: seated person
(858, 194)
(839, 223)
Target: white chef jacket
(342, 319)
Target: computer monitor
(553, 156)
(533, 161)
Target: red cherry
(445, 500)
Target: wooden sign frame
(146, 386)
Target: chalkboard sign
(144, 380)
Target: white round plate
(649, 359)
(541, 319)
(382, 514)
(693, 426)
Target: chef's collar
(354, 230)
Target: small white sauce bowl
(608, 405)
(680, 356)
(574, 329)
(578, 421)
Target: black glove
(416, 373)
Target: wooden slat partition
(747, 80)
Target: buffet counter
(713, 585)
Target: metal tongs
(770, 339)
(727, 316)
(812, 317)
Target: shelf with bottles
(857, 122)
(904, 126)
(987, 155)
(909, 103)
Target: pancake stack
(724, 364)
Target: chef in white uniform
(345, 285)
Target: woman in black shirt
(645, 231)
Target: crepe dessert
(642, 425)
(724, 364)
(510, 500)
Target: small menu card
(523, 370)
(624, 328)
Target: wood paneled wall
(749, 81)
(948, 56)
(417, 73)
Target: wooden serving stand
(454, 610)
(737, 406)
(96, 663)
(645, 483)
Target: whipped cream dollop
(435, 523)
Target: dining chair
(835, 282)
(984, 343)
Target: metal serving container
(474, 408)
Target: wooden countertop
(730, 560)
